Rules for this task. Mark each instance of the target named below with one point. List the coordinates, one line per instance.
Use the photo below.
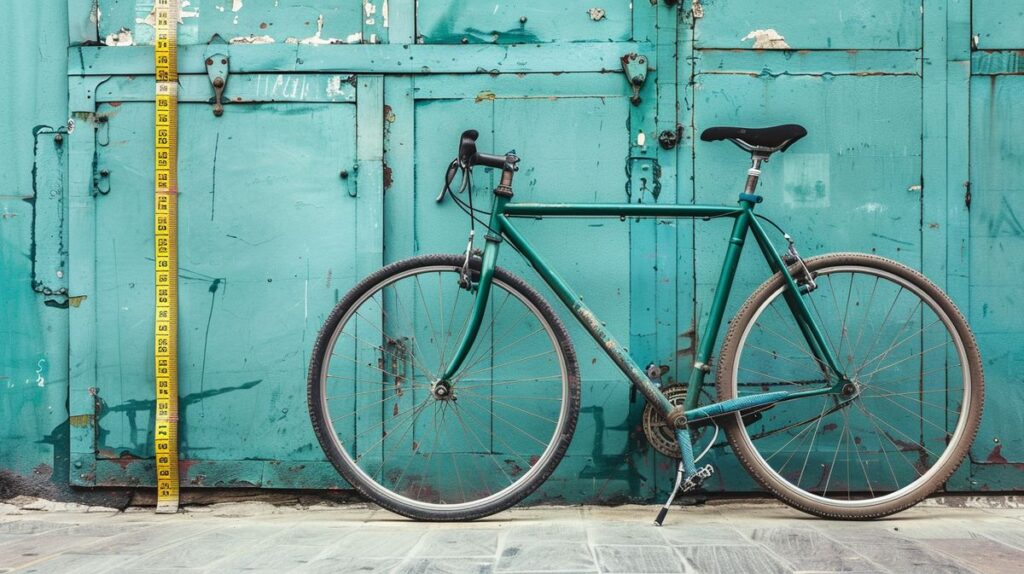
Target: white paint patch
(768, 39)
(122, 37)
(384, 12)
(95, 14)
(40, 381)
(219, 8)
(641, 139)
(369, 9)
(806, 180)
(318, 39)
(250, 39)
(354, 38)
(334, 86)
(872, 207)
(236, 5)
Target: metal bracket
(635, 67)
(217, 69)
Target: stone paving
(761, 537)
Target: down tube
(587, 319)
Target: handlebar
(469, 156)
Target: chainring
(660, 434)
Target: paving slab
(762, 537)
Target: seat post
(754, 173)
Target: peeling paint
(768, 39)
(369, 9)
(318, 39)
(122, 37)
(251, 39)
(236, 5)
(596, 14)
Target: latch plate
(635, 66)
(217, 69)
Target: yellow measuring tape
(165, 235)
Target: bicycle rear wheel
(918, 389)
(442, 452)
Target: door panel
(873, 24)
(265, 236)
(523, 21)
(998, 24)
(996, 242)
(126, 22)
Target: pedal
(697, 479)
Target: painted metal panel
(997, 235)
(853, 184)
(998, 24)
(267, 224)
(885, 111)
(523, 22)
(827, 25)
(128, 22)
(572, 134)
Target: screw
(209, 61)
(343, 174)
(104, 173)
(58, 139)
(465, 40)
(522, 20)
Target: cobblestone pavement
(986, 535)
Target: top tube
(618, 210)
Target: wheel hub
(442, 391)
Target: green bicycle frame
(745, 222)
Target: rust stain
(996, 456)
(388, 176)
(76, 300)
(80, 421)
(485, 96)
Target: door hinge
(635, 67)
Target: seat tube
(707, 344)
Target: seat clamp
(751, 198)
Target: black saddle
(763, 140)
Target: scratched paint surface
(523, 21)
(251, 22)
(247, 320)
(272, 235)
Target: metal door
(853, 78)
(996, 235)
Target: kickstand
(668, 503)
(687, 469)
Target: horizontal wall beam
(366, 58)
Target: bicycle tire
(870, 504)
(408, 503)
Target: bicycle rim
(904, 427)
(496, 435)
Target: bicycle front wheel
(457, 450)
(913, 407)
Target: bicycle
(849, 385)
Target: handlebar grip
(467, 147)
(495, 161)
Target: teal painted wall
(904, 108)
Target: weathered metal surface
(273, 233)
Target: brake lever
(449, 177)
